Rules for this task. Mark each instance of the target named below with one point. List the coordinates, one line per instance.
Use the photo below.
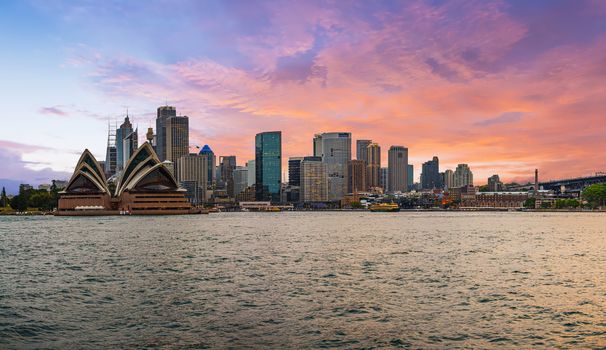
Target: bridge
(573, 185)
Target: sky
(504, 86)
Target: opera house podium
(144, 187)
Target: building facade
(410, 176)
(194, 168)
(362, 150)
(448, 179)
(268, 166)
(357, 176)
(177, 137)
(463, 176)
(163, 113)
(335, 150)
(430, 174)
(240, 180)
(208, 153)
(495, 184)
(294, 171)
(397, 168)
(314, 181)
(373, 165)
(250, 165)
(125, 130)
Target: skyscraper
(130, 143)
(463, 176)
(314, 180)
(357, 176)
(294, 171)
(448, 179)
(193, 168)
(240, 180)
(430, 174)
(335, 150)
(151, 138)
(362, 150)
(163, 113)
(177, 137)
(397, 167)
(268, 164)
(121, 133)
(373, 165)
(383, 178)
(250, 165)
(110, 152)
(210, 160)
(410, 176)
(227, 166)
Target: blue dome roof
(206, 149)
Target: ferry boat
(384, 207)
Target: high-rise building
(430, 174)
(448, 179)
(314, 180)
(373, 165)
(397, 168)
(268, 165)
(193, 168)
(207, 152)
(163, 113)
(110, 152)
(335, 150)
(130, 143)
(240, 180)
(227, 166)
(177, 137)
(362, 150)
(357, 176)
(123, 132)
(383, 178)
(294, 171)
(495, 184)
(150, 137)
(463, 176)
(410, 176)
(250, 165)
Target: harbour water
(304, 280)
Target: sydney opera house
(145, 187)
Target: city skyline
(505, 87)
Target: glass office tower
(268, 165)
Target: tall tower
(268, 164)
(122, 133)
(373, 166)
(361, 150)
(335, 150)
(164, 112)
(110, 153)
(397, 169)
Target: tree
(41, 200)
(529, 203)
(595, 195)
(3, 198)
(19, 202)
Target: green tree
(545, 205)
(40, 199)
(19, 202)
(3, 198)
(529, 203)
(595, 195)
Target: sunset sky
(505, 86)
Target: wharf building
(335, 150)
(145, 186)
(268, 166)
(397, 168)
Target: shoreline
(487, 210)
